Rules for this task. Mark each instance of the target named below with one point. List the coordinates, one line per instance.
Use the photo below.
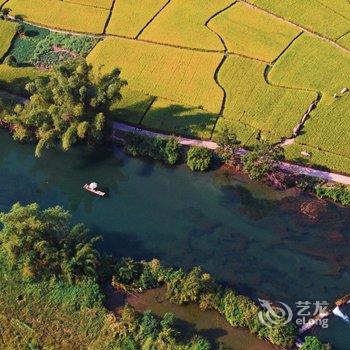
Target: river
(244, 233)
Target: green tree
(40, 244)
(199, 159)
(312, 343)
(172, 151)
(228, 144)
(262, 160)
(67, 106)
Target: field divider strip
(346, 33)
(330, 9)
(309, 31)
(78, 3)
(222, 62)
(147, 109)
(109, 17)
(287, 47)
(3, 5)
(152, 19)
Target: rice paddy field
(271, 109)
(105, 4)
(7, 32)
(328, 18)
(183, 76)
(183, 23)
(60, 15)
(194, 66)
(253, 33)
(129, 17)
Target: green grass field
(315, 15)
(253, 33)
(251, 101)
(182, 23)
(7, 32)
(60, 15)
(130, 16)
(183, 76)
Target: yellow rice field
(105, 4)
(179, 119)
(344, 41)
(251, 101)
(183, 76)
(130, 16)
(182, 23)
(60, 15)
(252, 32)
(7, 32)
(318, 16)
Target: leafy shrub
(338, 193)
(228, 144)
(11, 61)
(312, 343)
(262, 160)
(158, 148)
(199, 159)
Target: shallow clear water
(244, 233)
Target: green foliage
(10, 60)
(312, 343)
(39, 245)
(186, 288)
(338, 193)
(56, 47)
(199, 159)
(228, 144)
(25, 44)
(261, 160)
(66, 106)
(158, 148)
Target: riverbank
(190, 319)
(284, 166)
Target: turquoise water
(245, 234)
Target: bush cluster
(158, 148)
(337, 193)
(69, 44)
(199, 159)
(198, 287)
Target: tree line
(42, 246)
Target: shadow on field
(171, 118)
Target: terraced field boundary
(109, 17)
(311, 32)
(152, 19)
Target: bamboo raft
(93, 188)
